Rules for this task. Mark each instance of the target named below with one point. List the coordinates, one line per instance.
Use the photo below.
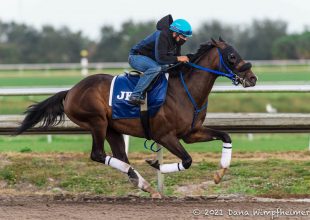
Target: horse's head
(235, 63)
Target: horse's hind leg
(98, 131)
(117, 144)
(120, 162)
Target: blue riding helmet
(181, 26)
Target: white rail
(122, 65)
(63, 66)
(34, 91)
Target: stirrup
(134, 73)
(136, 100)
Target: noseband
(237, 59)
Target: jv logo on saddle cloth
(121, 89)
(124, 95)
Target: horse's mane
(195, 57)
(203, 49)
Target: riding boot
(137, 96)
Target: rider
(157, 51)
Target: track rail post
(160, 176)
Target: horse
(179, 118)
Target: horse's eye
(232, 58)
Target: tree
(24, 44)
(295, 46)
(108, 47)
(115, 45)
(208, 30)
(257, 40)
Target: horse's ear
(221, 39)
(213, 41)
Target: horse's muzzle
(248, 82)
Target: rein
(229, 74)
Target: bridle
(227, 70)
(224, 69)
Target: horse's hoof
(219, 175)
(217, 179)
(153, 163)
(133, 177)
(156, 195)
(134, 181)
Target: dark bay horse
(87, 105)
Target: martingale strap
(196, 109)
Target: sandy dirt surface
(60, 207)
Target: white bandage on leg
(143, 184)
(170, 168)
(226, 155)
(117, 164)
(124, 167)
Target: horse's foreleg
(206, 134)
(121, 163)
(171, 143)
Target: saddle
(121, 89)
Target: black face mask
(180, 42)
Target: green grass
(243, 102)
(270, 74)
(38, 143)
(46, 78)
(275, 178)
(17, 104)
(82, 143)
(270, 178)
(40, 81)
(71, 77)
(77, 174)
(282, 73)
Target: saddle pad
(121, 89)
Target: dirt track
(142, 208)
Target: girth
(145, 119)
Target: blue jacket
(160, 45)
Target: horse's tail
(50, 112)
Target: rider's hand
(183, 59)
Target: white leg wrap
(143, 184)
(124, 167)
(117, 164)
(170, 168)
(226, 155)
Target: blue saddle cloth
(122, 89)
